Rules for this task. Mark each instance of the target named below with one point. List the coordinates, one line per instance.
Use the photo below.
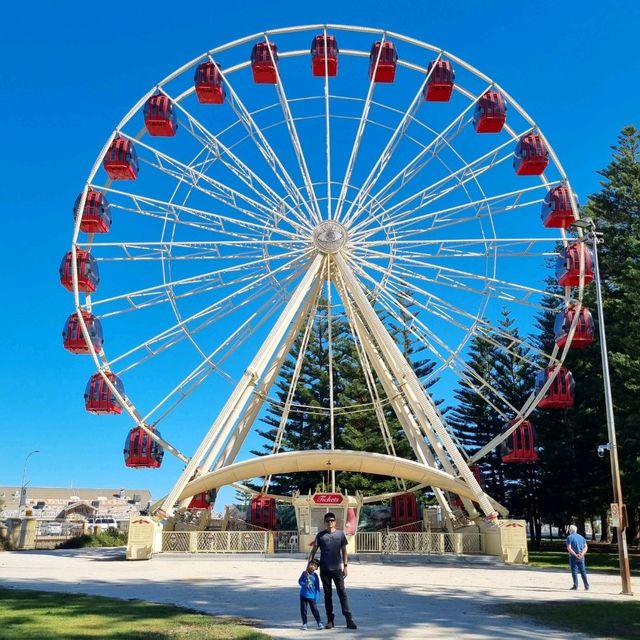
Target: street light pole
(23, 486)
(594, 238)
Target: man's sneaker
(351, 624)
(574, 588)
(329, 624)
(303, 627)
(320, 626)
(586, 588)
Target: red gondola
(560, 393)
(87, 269)
(531, 156)
(264, 60)
(160, 117)
(98, 397)
(404, 512)
(208, 83)
(477, 474)
(387, 62)
(202, 500)
(121, 161)
(440, 83)
(556, 210)
(96, 215)
(141, 450)
(584, 333)
(263, 512)
(324, 56)
(490, 113)
(568, 265)
(72, 338)
(520, 445)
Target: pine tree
(616, 212)
(514, 378)
(576, 483)
(474, 421)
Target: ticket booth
(310, 511)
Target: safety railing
(215, 541)
(387, 542)
(418, 543)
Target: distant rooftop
(51, 502)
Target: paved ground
(409, 600)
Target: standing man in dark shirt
(333, 567)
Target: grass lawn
(596, 561)
(600, 619)
(40, 615)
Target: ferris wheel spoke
(327, 129)
(295, 376)
(460, 248)
(359, 134)
(273, 161)
(250, 269)
(193, 177)
(196, 250)
(463, 281)
(173, 338)
(485, 207)
(370, 380)
(207, 220)
(444, 310)
(250, 178)
(213, 361)
(450, 358)
(295, 141)
(461, 319)
(226, 304)
(415, 166)
(384, 157)
(469, 171)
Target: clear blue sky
(70, 71)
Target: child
(309, 592)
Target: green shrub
(109, 538)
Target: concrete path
(406, 600)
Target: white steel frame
(248, 211)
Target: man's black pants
(336, 576)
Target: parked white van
(101, 523)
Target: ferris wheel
(280, 177)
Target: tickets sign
(327, 498)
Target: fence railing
(418, 543)
(215, 541)
(390, 542)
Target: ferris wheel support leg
(259, 396)
(420, 403)
(243, 389)
(401, 409)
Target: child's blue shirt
(309, 585)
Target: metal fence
(215, 541)
(389, 542)
(285, 541)
(418, 543)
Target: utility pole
(592, 237)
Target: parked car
(102, 523)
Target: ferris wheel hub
(329, 236)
